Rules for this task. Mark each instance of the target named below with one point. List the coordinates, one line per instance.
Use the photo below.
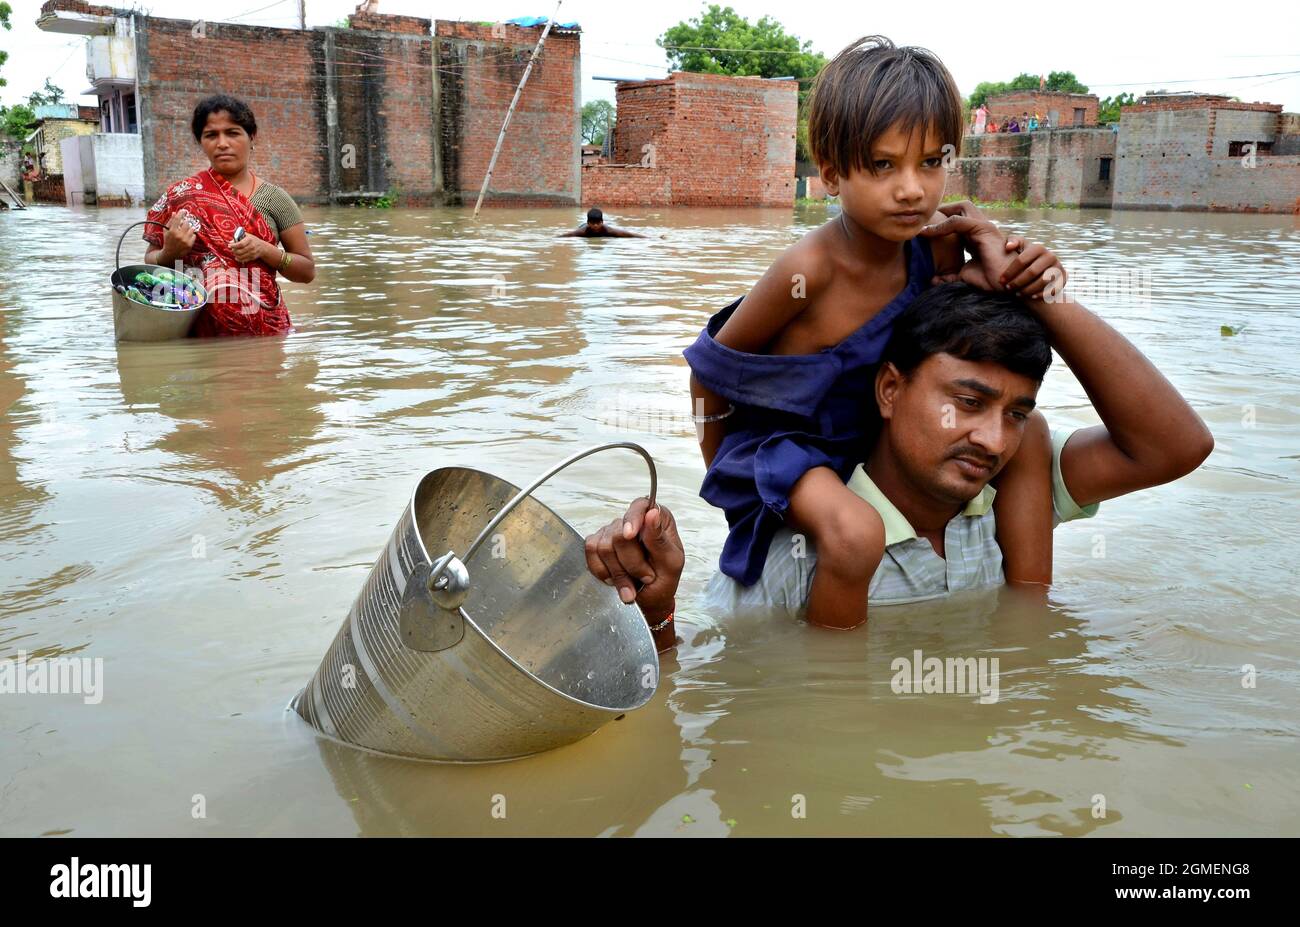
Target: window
(128, 104)
(1237, 149)
(1078, 115)
(106, 115)
(1105, 169)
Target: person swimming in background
(782, 379)
(595, 227)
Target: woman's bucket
(135, 321)
(507, 650)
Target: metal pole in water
(510, 112)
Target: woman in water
(200, 221)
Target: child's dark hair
(871, 86)
(238, 110)
(970, 324)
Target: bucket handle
(117, 255)
(527, 491)
(431, 618)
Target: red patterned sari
(243, 299)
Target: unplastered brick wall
(479, 67)
(645, 109)
(383, 83)
(1174, 155)
(732, 142)
(716, 140)
(75, 6)
(1060, 106)
(1230, 125)
(279, 73)
(379, 74)
(994, 168)
(1161, 158)
(997, 145)
(382, 22)
(990, 179)
(1268, 184)
(1065, 167)
(625, 185)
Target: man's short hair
(870, 86)
(970, 324)
(595, 215)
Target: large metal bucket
(134, 321)
(501, 655)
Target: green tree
(15, 121)
(5, 12)
(596, 115)
(49, 94)
(1056, 82)
(721, 41)
(1108, 109)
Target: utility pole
(302, 14)
(510, 112)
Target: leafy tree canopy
(596, 115)
(5, 12)
(1057, 82)
(721, 41)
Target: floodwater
(200, 515)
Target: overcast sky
(1244, 49)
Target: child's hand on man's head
(984, 240)
(997, 262)
(1034, 273)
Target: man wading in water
(964, 366)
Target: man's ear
(888, 382)
(830, 179)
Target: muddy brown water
(200, 515)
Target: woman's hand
(178, 237)
(251, 248)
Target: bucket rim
(292, 709)
(118, 276)
(469, 620)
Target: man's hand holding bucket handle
(641, 555)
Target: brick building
(1074, 167)
(1192, 151)
(699, 140)
(479, 67)
(1066, 110)
(1204, 151)
(383, 106)
(54, 123)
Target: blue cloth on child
(793, 412)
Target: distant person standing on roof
(595, 227)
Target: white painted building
(106, 168)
